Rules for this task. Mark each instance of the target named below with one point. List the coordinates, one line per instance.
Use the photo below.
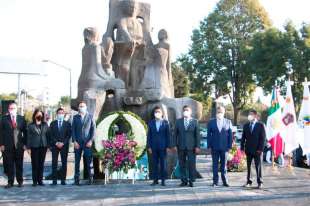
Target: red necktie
(13, 122)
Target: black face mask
(39, 118)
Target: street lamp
(64, 67)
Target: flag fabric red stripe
(276, 145)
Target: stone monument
(127, 71)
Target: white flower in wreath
(102, 130)
(138, 131)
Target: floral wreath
(137, 133)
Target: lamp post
(64, 67)
(19, 75)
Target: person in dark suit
(158, 144)
(60, 134)
(220, 142)
(83, 132)
(187, 143)
(252, 142)
(37, 142)
(13, 136)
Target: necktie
(251, 126)
(14, 122)
(186, 123)
(14, 125)
(59, 124)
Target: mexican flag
(274, 125)
(304, 118)
(289, 131)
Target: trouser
(216, 156)
(13, 161)
(63, 155)
(159, 158)
(87, 152)
(187, 162)
(258, 167)
(37, 163)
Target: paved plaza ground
(282, 187)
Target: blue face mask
(60, 117)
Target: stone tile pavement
(282, 187)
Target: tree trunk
(236, 115)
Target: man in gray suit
(83, 132)
(187, 143)
(220, 142)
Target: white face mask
(13, 112)
(60, 117)
(158, 115)
(220, 115)
(251, 118)
(187, 114)
(83, 109)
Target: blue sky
(33, 30)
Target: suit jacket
(253, 141)
(8, 134)
(187, 138)
(83, 131)
(158, 140)
(37, 136)
(62, 134)
(219, 140)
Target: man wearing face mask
(158, 143)
(13, 138)
(220, 142)
(83, 131)
(60, 134)
(187, 143)
(252, 142)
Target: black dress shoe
(34, 184)
(191, 184)
(63, 182)
(260, 186)
(90, 181)
(214, 185)
(41, 184)
(76, 182)
(154, 183)
(9, 185)
(54, 183)
(183, 184)
(20, 184)
(247, 185)
(225, 184)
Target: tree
(220, 49)
(64, 100)
(180, 81)
(277, 55)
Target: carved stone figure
(92, 74)
(107, 52)
(143, 77)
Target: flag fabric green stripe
(274, 103)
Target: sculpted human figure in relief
(129, 35)
(92, 74)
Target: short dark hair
(154, 109)
(60, 109)
(36, 111)
(81, 102)
(253, 111)
(157, 108)
(186, 107)
(11, 103)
